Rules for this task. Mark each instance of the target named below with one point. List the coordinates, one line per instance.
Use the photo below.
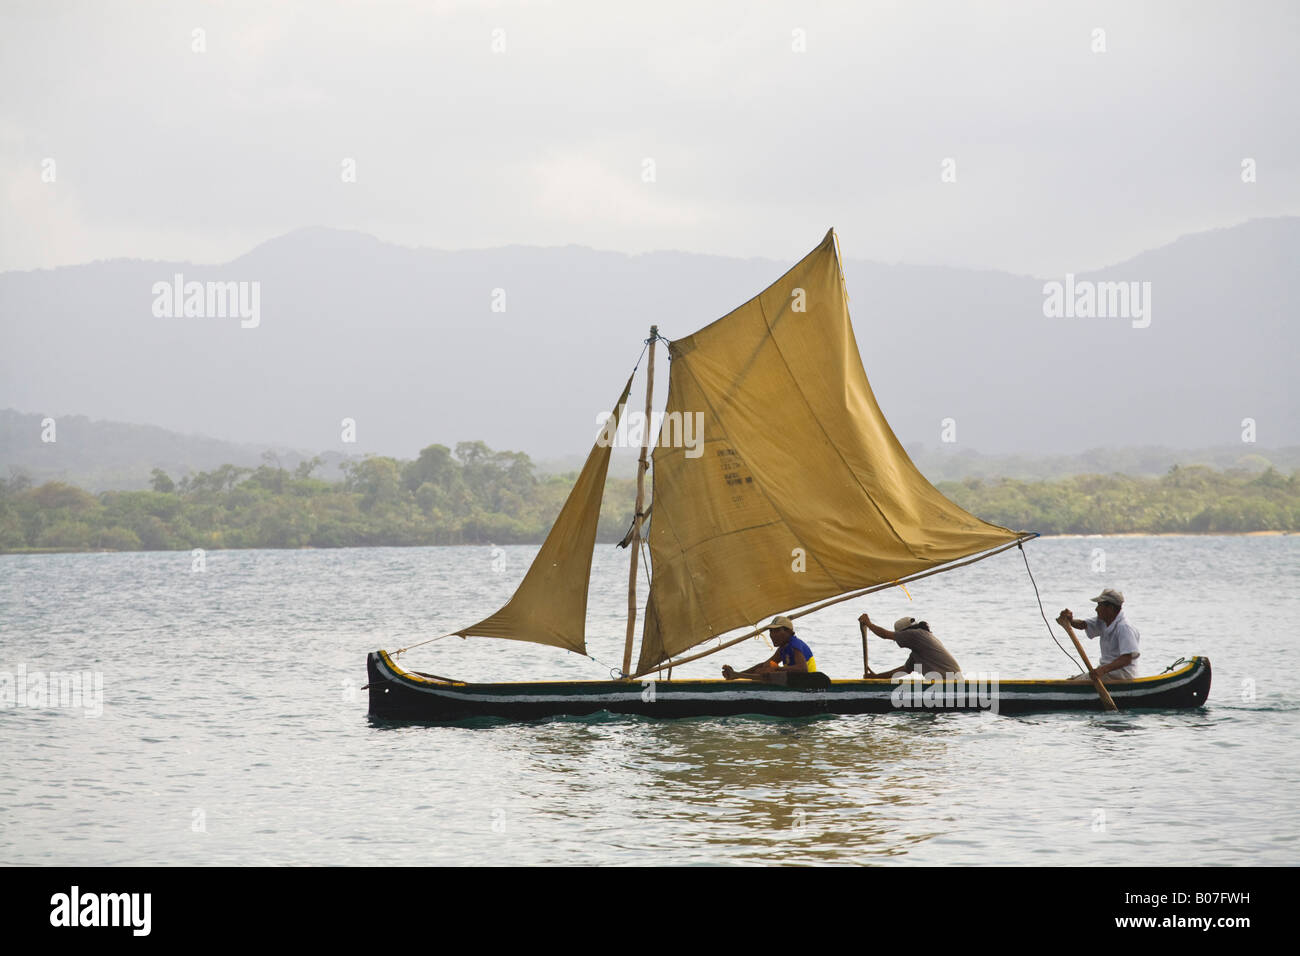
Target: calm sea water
(233, 728)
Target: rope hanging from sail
(641, 356)
(402, 650)
(615, 673)
(1050, 633)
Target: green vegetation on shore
(471, 496)
(1185, 500)
(477, 496)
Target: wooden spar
(1107, 702)
(635, 536)
(866, 671)
(836, 600)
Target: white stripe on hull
(665, 691)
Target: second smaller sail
(550, 604)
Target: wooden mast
(635, 538)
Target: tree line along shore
(474, 495)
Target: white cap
(1109, 596)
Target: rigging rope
(645, 563)
(1050, 632)
(403, 650)
(615, 673)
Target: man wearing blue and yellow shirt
(792, 657)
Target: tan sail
(799, 490)
(550, 604)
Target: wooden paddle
(866, 671)
(1107, 702)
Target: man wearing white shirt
(1119, 638)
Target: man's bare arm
(1124, 660)
(757, 672)
(886, 675)
(762, 665)
(876, 629)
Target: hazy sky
(765, 124)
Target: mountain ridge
(404, 341)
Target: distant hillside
(104, 456)
(522, 347)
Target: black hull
(399, 695)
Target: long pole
(635, 541)
(1107, 702)
(866, 671)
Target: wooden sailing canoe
(401, 695)
(788, 456)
